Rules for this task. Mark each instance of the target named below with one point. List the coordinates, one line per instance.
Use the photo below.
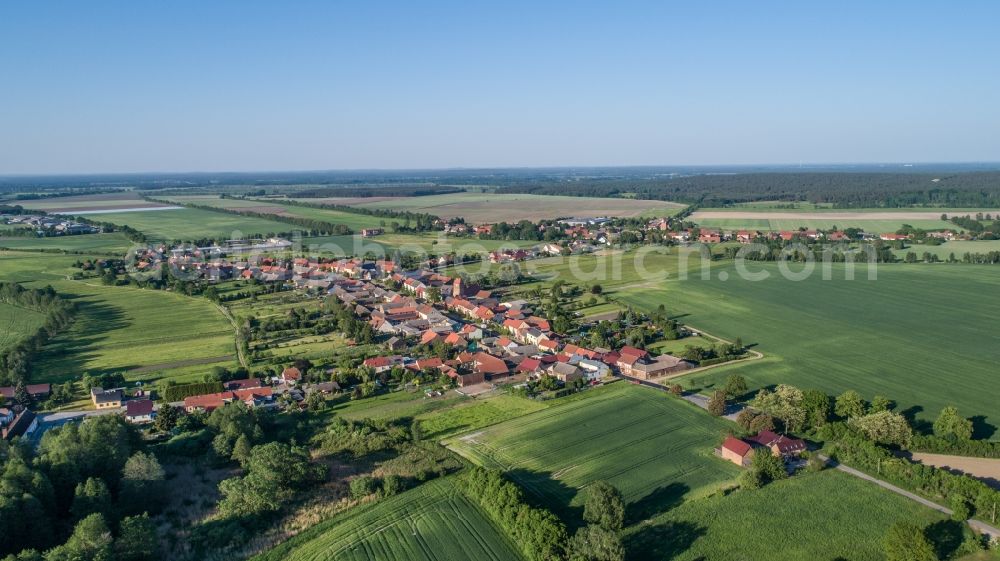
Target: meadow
(919, 334)
(826, 515)
(958, 247)
(146, 334)
(483, 207)
(269, 206)
(16, 323)
(192, 223)
(116, 244)
(433, 522)
(655, 448)
(122, 200)
(771, 217)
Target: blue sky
(205, 86)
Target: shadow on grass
(947, 537)
(542, 491)
(661, 542)
(659, 501)
(981, 429)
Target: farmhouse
(659, 366)
(779, 445)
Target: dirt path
(236, 330)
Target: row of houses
(710, 235)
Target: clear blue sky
(210, 85)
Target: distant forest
(841, 189)
(867, 186)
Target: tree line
(15, 361)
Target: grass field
(493, 207)
(16, 323)
(84, 203)
(919, 334)
(433, 522)
(957, 247)
(192, 223)
(98, 243)
(656, 449)
(766, 217)
(148, 334)
(353, 220)
(828, 515)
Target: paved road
(732, 410)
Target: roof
(138, 408)
(33, 389)
(528, 365)
(242, 384)
(736, 445)
(783, 443)
(291, 373)
(632, 351)
(490, 364)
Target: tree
(596, 289)
(91, 496)
(361, 487)
(768, 466)
(717, 403)
(762, 422)
(849, 404)
(784, 403)
(136, 539)
(604, 506)
(960, 511)
(817, 407)
(143, 484)
(736, 386)
(166, 418)
(21, 395)
(880, 403)
(745, 418)
(91, 539)
(241, 450)
(315, 401)
(595, 543)
(950, 424)
(906, 542)
(884, 427)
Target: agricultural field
(826, 515)
(483, 207)
(655, 448)
(353, 220)
(192, 223)
(958, 247)
(770, 217)
(147, 334)
(16, 323)
(115, 243)
(920, 334)
(86, 204)
(433, 522)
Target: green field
(98, 243)
(351, 219)
(957, 247)
(16, 323)
(192, 223)
(769, 217)
(492, 207)
(921, 335)
(434, 522)
(148, 334)
(656, 449)
(828, 515)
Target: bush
(362, 486)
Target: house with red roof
(291, 375)
(735, 450)
(780, 445)
(139, 411)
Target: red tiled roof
(291, 373)
(138, 408)
(528, 365)
(736, 445)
